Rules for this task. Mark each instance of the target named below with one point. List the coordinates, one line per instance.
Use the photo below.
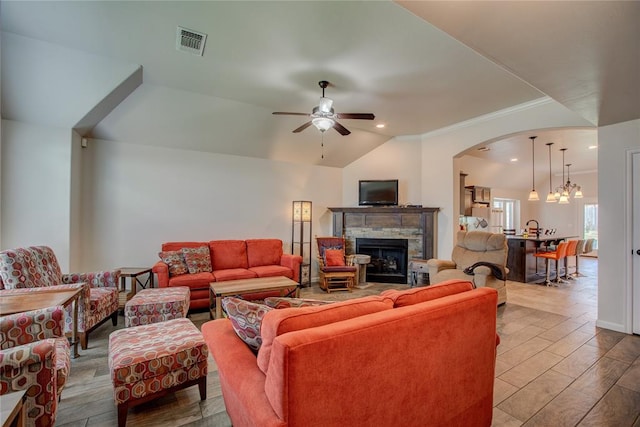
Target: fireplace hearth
(389, 260)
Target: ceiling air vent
(190, 41)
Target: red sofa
(421, 357)
(231, 260)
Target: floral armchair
(33, 268)
(336, 270)
(34, 356)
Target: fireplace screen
(388, 259)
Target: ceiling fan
(324, 117)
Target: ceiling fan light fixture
(323, 123)
(325, 105)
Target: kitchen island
(523, 265)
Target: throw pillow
(334, 257)
(246, 319)
(198, 259)
(175, 261)
(284, 302)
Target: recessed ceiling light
(593, 147)
(515, 159)
(380, 125)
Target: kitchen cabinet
(480, 194)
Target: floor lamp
(301, 238)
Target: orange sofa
(231, 260)
(421, 357)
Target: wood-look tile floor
(554, 367)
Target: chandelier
(533, 194)
(564, 192)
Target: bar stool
(588, 245)
(571, 251)
(556, 256)
(579, 251)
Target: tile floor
(554, 368)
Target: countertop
(542, 238)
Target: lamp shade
(302, 210)
(533, 196)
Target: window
(591, 223)
(508, 207)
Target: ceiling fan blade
(281, 113)
(343, 130)
(359, 116)
(303, 127)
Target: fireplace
(389, 259)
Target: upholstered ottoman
(156, 305)
(149, 361)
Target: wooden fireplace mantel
(391, 218)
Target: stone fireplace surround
(417, 225)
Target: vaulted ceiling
(418, 66)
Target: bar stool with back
(558, 254)
(571, 251)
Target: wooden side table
(12, 410)
(133, 273)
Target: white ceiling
(405, 66)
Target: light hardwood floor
(554, 367)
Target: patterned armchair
(336, 270)
(33, 268)
(34, 356)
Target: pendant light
(550, 197)
(564, 196)
(533, 195)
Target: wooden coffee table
(11, 303)
(217, 290)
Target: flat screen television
(378, 192)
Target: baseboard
(612, 326)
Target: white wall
(53, 85)
(36, 174)
(614, 266)
(398, 159)
(136, 197)
(76, 208)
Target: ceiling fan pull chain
(322, 144)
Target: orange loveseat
(420, 357)
(231, 260)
